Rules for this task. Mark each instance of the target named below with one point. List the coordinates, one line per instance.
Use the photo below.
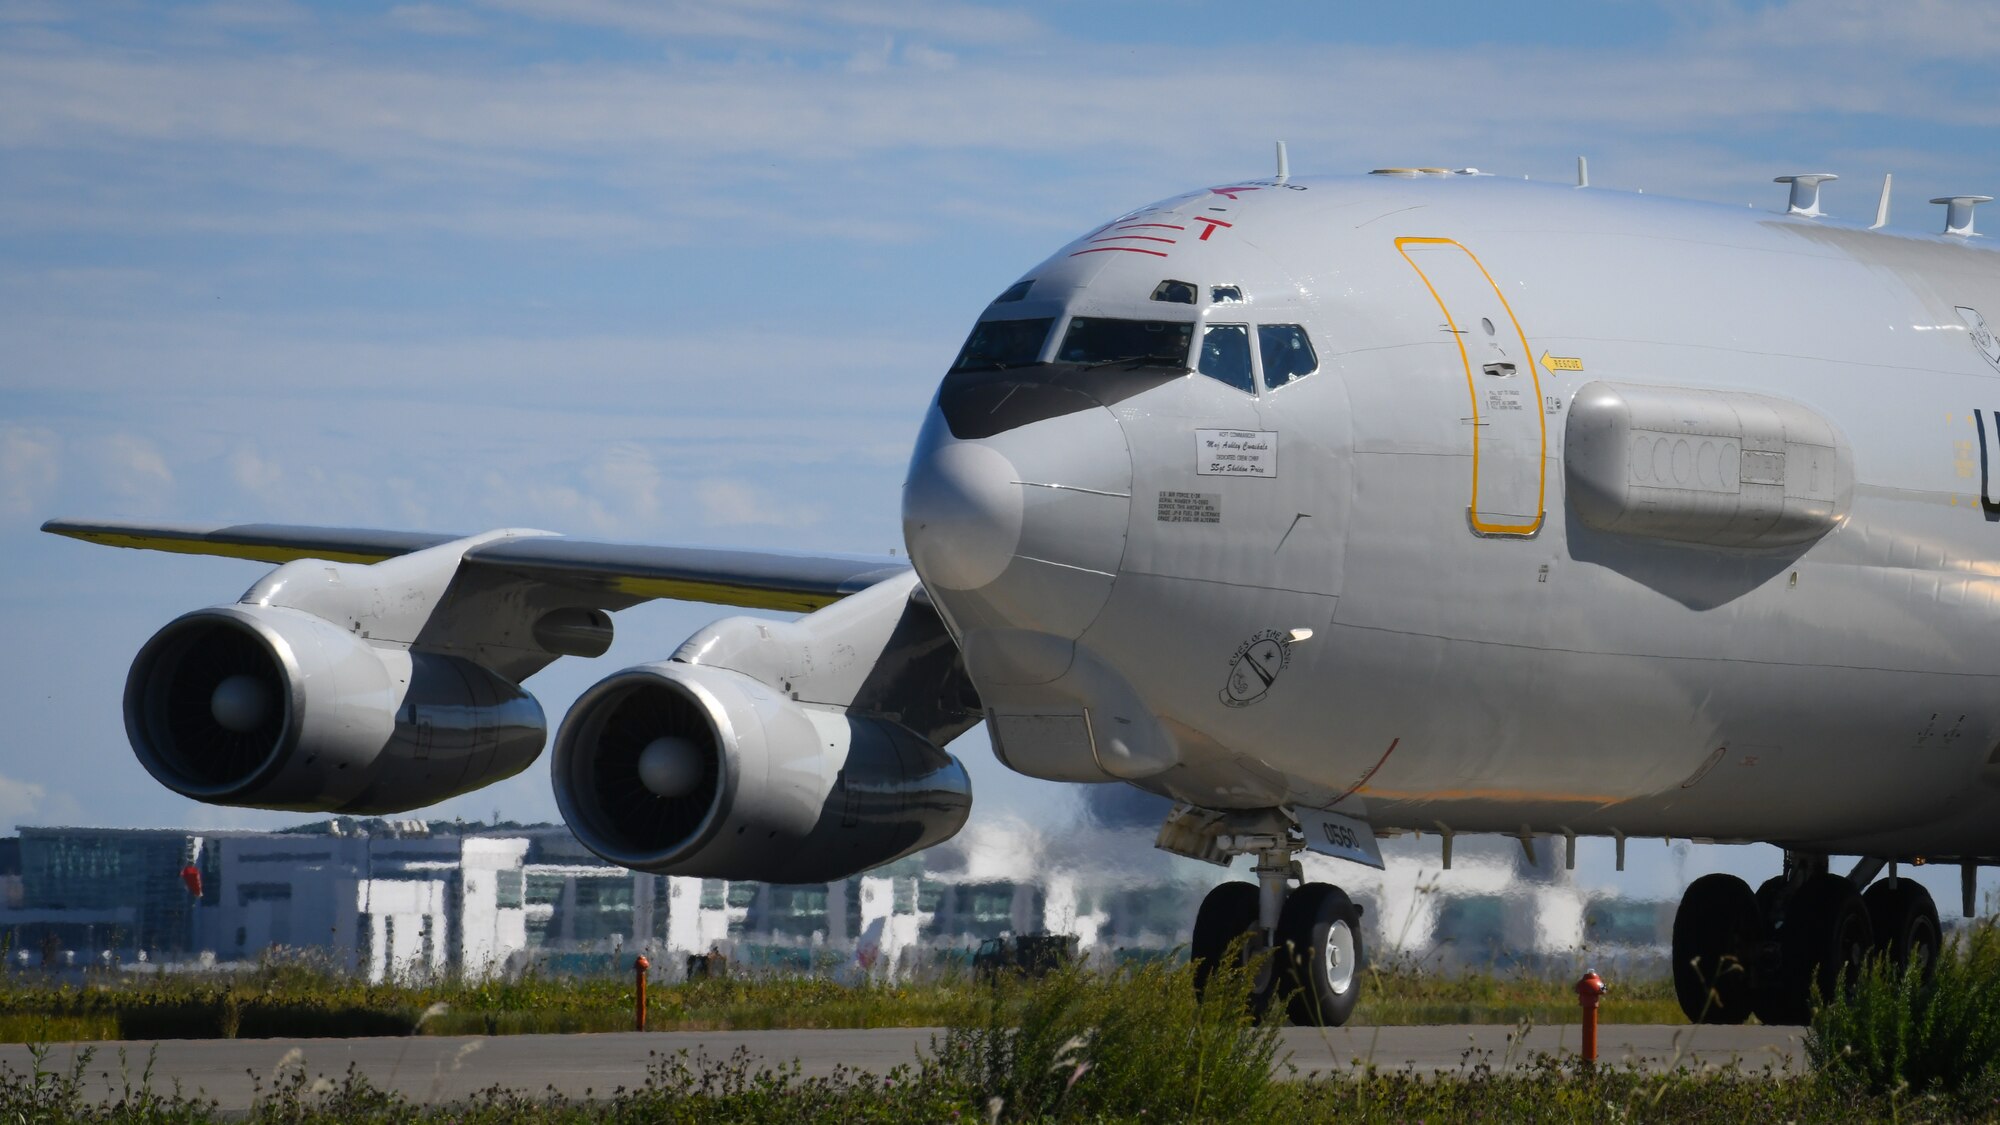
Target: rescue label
(1190, 507)
(1236, 453)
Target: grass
(1406, 995)
(1133, 1046)
(298, 997)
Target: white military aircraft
(1423, 501)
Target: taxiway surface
(445, 1069)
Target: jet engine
(785, 752)
(688, 770)
(278, 708)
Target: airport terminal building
(411, 899)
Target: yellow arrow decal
(1557, 363)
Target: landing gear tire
(1716, 930)
(1905, 924)
(1227, 913)
(1822, 943)
(1319, 940)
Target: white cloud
(29, 466)
(24, 802)
(785, 23)
(625, 479)
(33, 11)
(737, 503)
(254, 473)
(132, 468)
(435, 19)
(1883, 34)
(929, 58)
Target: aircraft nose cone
(1022, 529)
(962, 515)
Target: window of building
(1287, 353)
(508, 889)
(247, 893)
(996, 344)
(1225, 356)
(714, 894)
(1099, 339)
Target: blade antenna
(1582, 172)
(1882, 205)
(1284, 165)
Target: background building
(410, 899)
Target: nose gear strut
(1305, 941)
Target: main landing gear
(1306, 939)
(1799, 938)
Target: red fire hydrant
(1589, 991)
(639, 967)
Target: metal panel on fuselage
(1593, 682)
(1587, 693)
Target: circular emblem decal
(1255, 667)
(1982, 336)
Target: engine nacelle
(688, 769)
(277, 708)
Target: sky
(689, 273)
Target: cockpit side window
(1003, 343)
(1225, 356)
(1098, 339)
(1287, 353)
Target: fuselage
(1261, 496)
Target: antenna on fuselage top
(1805, 193)
(1582, 172)
(1882, 205)
(1958, 213)
(1284, 165)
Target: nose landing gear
(1306, 939)
(1800, 939)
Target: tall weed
(1896, 1032)
(1078, 1044)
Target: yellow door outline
(1472, 390)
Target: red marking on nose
(1230, 191)
(1210, 228)
(1127, 249)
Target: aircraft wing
(613, 575)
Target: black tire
(1227, 913)
(1905, 923)
(1822, 943)
(1320, 955)
(1716, 930)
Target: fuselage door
(1506, 424)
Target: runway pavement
(441, 1069)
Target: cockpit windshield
(996, 344)
(1096, 339)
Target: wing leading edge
(620, 573)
